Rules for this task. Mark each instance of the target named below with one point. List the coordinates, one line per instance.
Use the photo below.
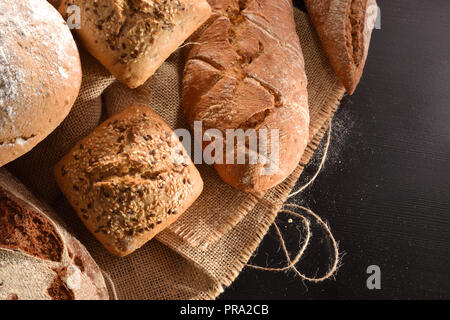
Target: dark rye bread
(345, 28)
(129, 179)
(24, 229)
(132, 38)
(39, 259)
(245, 70)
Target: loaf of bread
(345, 28)
(245, 70)
(40, 74)
(132, 38)
(39, 259)
(129, 179)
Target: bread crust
(129, 179)
(245, 70)
(344, 28)
(40, 74)
(132, 38)
(37, 251)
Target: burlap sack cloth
(205, 250)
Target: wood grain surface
(385, 189)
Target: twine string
(322, 164)
(306, 223)
(291, 263)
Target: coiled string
(306, 222)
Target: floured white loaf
(40, 74)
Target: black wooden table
(385, 189)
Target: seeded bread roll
(129, 179)
(132, 38)
(39, 259)
(345, 28)
(245, 70)
(40, 74)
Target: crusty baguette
(245, 69)
(345, 28)
(132, 38)
(39, 259)
(129, 179)
(40, 74)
